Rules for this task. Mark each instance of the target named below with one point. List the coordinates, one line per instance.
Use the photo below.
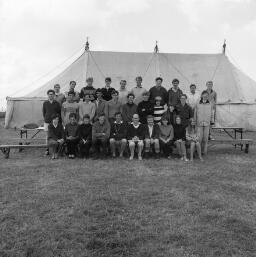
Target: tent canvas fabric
(236, 91)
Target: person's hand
(143, 110)
(61, 141)
(151, 141)
(84, 141)
(171, 108)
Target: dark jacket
(107, 93)
(185, 112)
(49, 109)
(127, 112)
(118, 131)
(139, 132)
(144, 109)
(158, 91)
(155, 132)
(174, 97)
(84, 131)
(179, 132)
(71, 130)
(56, 133)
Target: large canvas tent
(236, 91)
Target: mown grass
(120, 208)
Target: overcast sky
(38, 35)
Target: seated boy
(100, 135)
(84, 133)
(71, 135)
(152, 133)
(56, 136)
(118, 135)
(135, 136)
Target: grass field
(120, 208)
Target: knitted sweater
(50, 108)
(113, 107)
(145, 108)
(98, 129)
(86, 108)
(158, 91)
(166, 131)
(138, 91)
(118, 130)
(185, 112)
(84, 132)
(133, 131)
(179, 132)
(127, 112)
(71, 130)
(174, 97)
(56, 133)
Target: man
(193, 97)
(100, 104)
(88, 89)
(145, 108)
(213, 100)
(68, 107)
(72, 85)
(100, 135)
(174, 95)
(123, 92)
(86, 107)
(113, 106)
(118, 133)
(138, 90)
(184, 111)
(50, 108)
(135, 136)
(158, 90)
(152, 134)
(59, 97)
(107, 90)
(129, 109)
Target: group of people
(123, 122)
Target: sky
(36, 36)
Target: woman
(56, 136)
(166, 136)
(180, 138)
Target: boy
(152, 137)
(100, 104)
(135, 136)
(86, 107)
(138, 90)
(72, 85)
(123, 92)
(84, 133)
(159, 110)
(113, 106)
(68, 107)
(118, 133)
(71, 136)
(145, 108)
(158, 90)
(174, 94)
(88, 89)
(59, 97)
(100, 135)
(107, 90)
(129, 109)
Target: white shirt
(193, 99)
(150, 128)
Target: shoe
(131, 158)
(169, 157)
(70, 156)
(140, 158)
(185, 159)
(46, 152)
(53, 157)
(201, 159)
(182, 158)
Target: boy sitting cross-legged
(71, 136)
(84, 133)
(118, 133)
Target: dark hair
(204, 92)
(146, 93)
(72, 114)
(71, 93)
(72, 81)
(108, 79)
(56, 85)
(165, 117)
(130, 94)
(123, 80)
(114, 92)
(150, 116)
(159, 78)
(50, 91)
(192, 85)
(89, 78)
(98, 90)
(86, 116)
(175, 80)
(184, 95)
(101, 114)
(139, 77)
(118, 113)
(55, 115)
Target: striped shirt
(158, 113)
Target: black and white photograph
(127, 128)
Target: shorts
(46, 125)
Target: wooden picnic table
(227, 130)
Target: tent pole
(156, 53)
(86, 60)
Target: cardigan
(84, 132)
(179, 132)
(139, 131)
(56, 133)
(50, 108)
(118, 131)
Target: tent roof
(231, 84)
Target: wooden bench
(6, 148)
(242, 142)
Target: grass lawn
(120, 208)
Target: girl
(55, 136)
(193, 136)
(203, 117)
(166, 136)
(180, 138)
